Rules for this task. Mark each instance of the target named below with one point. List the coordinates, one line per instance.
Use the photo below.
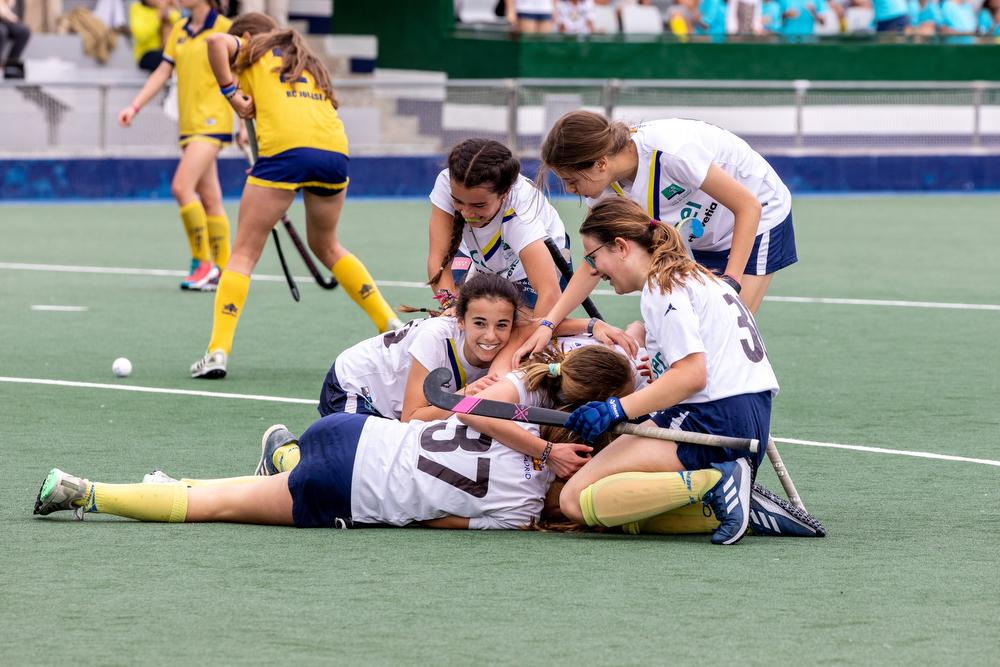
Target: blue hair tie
(555, 370)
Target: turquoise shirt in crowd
(713, 13)
(986, 24)
(770, 15)
(803, 24)
(929, 13)
(889, 9)
(960, 17)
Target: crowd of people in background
(792, 18)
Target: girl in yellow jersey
(302, 146)
(206, 124)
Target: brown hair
(254, 23)
(295, 58)
(623, 218)
(479, 286)
(472, 163)
(579, 139)
(590, 373)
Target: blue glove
(594, 418)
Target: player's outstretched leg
(145, 502)
(61, 491)
(730, 501)
(279, 451)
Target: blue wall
(111, 178)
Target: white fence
(399, 117)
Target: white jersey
(674, 157)
(707, 317)
(416, 471)
(525, 216)
(376, 369)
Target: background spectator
(958, 18)
(925, 17)
(14, 37)
(683, 17)
(743, 17)
(42, 15)
(530, 15)
(575, 17)
(276, 9)
(989, 18)
(891, 16)
(770, 17)
(150, 22)
(799, 17)
(713, 17)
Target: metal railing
(427, 116)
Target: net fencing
(408, 117)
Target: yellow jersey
(203, 110)
(290, 114)
(144, 22)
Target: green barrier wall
(423, 35)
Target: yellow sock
(145, 502)
(222, 481)
(196, 226)
(632, 496)
(230, 298)
(360, 286)
(695, 518)
(218, 239)
(285, 457)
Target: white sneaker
(158, 477)
(210, 367)
(59, 491)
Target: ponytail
(295, 58)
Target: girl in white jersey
(384, 375)
(711, 375)
(357, 468)
(486, 216)
(728, 202)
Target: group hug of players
(682, 211)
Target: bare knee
(569, 503)
(181, 190)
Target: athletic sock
(196, 226)
(218, 239)
(285, 457)
(686, 520)
(145, 502)
(360, 286)
(222, 481)
(230, 298)
(632, 496)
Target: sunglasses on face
(589, 257)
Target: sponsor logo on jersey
(230, 309)
(527, 465)
(536, 464)
(671, 191)
(657, 365)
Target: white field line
(111, 270)
(306, 401)
(60, 309)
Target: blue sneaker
(776, 517)
(730, 501)
(274, 437)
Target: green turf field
(908, 574)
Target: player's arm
(565, 458)
(154, 84)
(449, 522)
(746, 210)
(441, 226)
(221, 49)
(415, 405)
(682, 380)
(579, 288)
(542, 274)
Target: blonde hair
(579, 139)
(590, 373)
(295, 59)
(623, 218)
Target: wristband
(546, 323)
(545, 455)
(228, 91)
(591, 324)
(732, 282)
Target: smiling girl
(384, 375)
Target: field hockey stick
(567, 273)
(434, 391)
(251, 152)
(786, 480)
